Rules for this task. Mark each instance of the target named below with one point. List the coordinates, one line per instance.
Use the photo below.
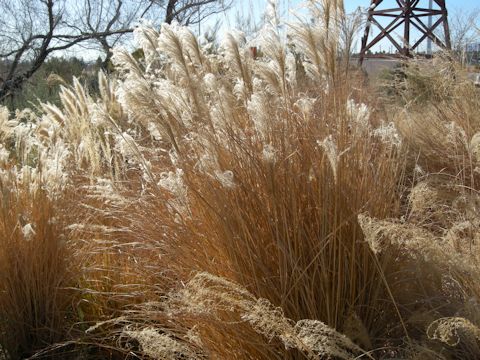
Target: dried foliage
(209, 205)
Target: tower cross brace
(410, 14)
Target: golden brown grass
(223, 207)
(36, 269)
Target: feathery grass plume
(174, 183)
(272, 18)
(452, 330)
(379, 234)
(109, 107)
(186, 62)
(160, 346)
(147, 37)
(389, 134)
(268, 153)
(417, 241)
(55, 79)
(162, 104)
(165, 102)
(319, 40)
(439, 201)
(360, 116)
(22, 140)
(194, 51)
(305, 105)
(107, 192)
(238, 60)
(259, 107)
(88, 126)
(171, 42)
(125, 62)
(6, 124)
(206, 293)
(277, 67)
(331, 151)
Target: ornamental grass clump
(212, 205)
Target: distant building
(474, 47)
(473, 53)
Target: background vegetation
(44, 85)
(212, 205)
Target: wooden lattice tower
(411, 15)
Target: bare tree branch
(34, 29)
(462, 30)
(191, 12)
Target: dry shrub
(436, 240)
(35, 269)
(263, 183)
(212, 205)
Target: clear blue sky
(350, 5)
(451, 5)
(254, 9)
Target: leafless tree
(108, 20)
(350, 24)
(100, 17)
(189, 12)
(34, 29)
(463, 29)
